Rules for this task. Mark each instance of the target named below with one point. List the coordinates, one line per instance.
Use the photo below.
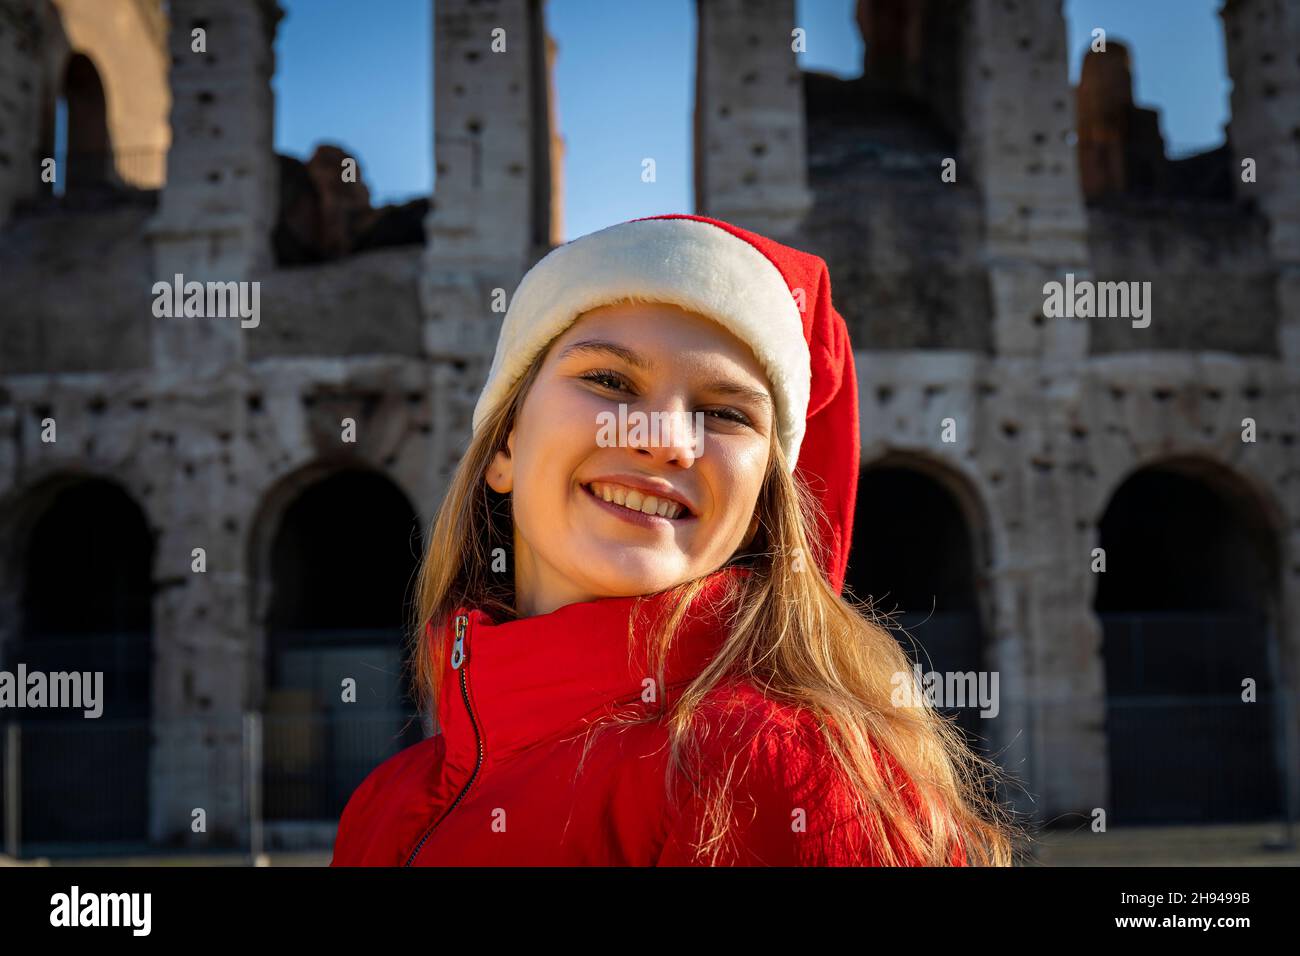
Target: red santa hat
(774, 298)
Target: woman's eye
(605, 379)
(730, 414)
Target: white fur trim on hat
(684, 262)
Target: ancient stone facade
(214, 429)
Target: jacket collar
(531, 679)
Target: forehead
(660, 329)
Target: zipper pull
(458, 651)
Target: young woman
(634, 642)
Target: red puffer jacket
(501, 783)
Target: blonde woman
(630, 626)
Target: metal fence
(84, 786)
(311, 763)
(1165, 760)
(133, 785)
(1193, 758)
(947, 641)
(1185, 741)
(125, 658)
(125, 781)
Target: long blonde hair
(791, 635)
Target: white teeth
(636, 500)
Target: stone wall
(103, 278)
(1213, 282)
(26, 28)
(905, 249)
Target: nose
(670, 434)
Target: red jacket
(499, 785)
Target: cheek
(738, 476)
(564, 415)
(551, 446)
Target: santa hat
(774, 298)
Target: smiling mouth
(635, 502)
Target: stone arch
(1236, 479)
(334, 552)
(965, 489)
(275, 496)
(127, 45)
(84, 534)
(88, 158)
(1188, 611)
(21, 510)
(921, 533)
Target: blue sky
(360, 75)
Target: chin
(643, 572)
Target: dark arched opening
(85, 609)
(914, 556)
(342, 566)
(1186, 605)
(88, 159)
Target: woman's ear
(500, 471)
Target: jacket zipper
(458, 664)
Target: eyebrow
(636, 360)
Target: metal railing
(88, 787)
(125, 658)
(126, 785)
(1175, 687)
(947, 641)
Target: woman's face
(571, 545)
